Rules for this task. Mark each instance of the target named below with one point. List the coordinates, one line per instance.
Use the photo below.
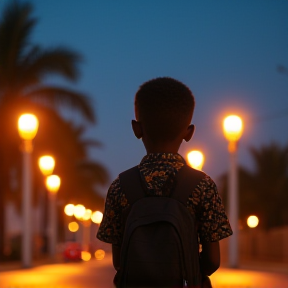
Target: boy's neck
(162, 148)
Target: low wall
(260, 245)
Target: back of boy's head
(164, 106)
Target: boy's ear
(137, 129)
(189, 133)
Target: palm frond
(39, 63)
(57, 96)
(15, 30)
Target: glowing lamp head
(69, 209)
(53, 183)
(28, 126)
(87, 215)
(46, 165)
(232, 127)
(252, 221)
(79, 211)
(97, 217)
(196, 159)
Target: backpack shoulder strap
(131, 183)
(187, 180)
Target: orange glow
(252, 221)
(196, 159)
(232, 127)
(28, 126)
(53, 183)
(73, 226)
(100, 254)
(46, 164)
(86, 256)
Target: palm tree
(24, 67)
(264, 191)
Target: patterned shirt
(158, 171)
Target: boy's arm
(209, 257)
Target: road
(99, 274)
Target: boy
(163, 110)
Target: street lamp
(196, 159)
(53, 184)
(27, 128)
(97, 217)
(46, 164)
(252, 221)
(233, 127)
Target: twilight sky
(226, 51)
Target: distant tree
(24, 68)
(264, 191)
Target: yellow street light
(28, 126)
(97, 217)
(196, 159)
(233, 128)
(27, 129)
(79, 211)
(73, 226)
(53, 183)
(87, 215)
(69, 209)
(252, 221)
(46, 164)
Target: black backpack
(160, 243)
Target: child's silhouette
(163, 111)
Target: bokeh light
(252, 221)
(196, 159)
(73, 226)
(99, 254)
(28, 126)
(69, 209)
(232, 127)
(79, 211)
(87, 214)
(97, 217)
(85, 256)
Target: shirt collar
(162, 157)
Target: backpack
(160, 241)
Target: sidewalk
(17, 265)
(263, 266)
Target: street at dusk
(99, 274)
(74, 76)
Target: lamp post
(53, 184)
(196, 159)
(233, 127)
(46, 165)
(27, 128)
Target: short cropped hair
(164, 106)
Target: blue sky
(227, 52)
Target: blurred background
(77, 65)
